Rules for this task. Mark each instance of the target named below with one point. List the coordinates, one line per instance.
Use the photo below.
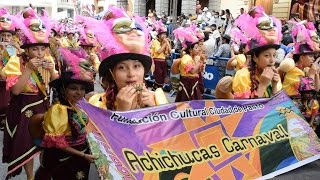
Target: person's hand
(90, 158)
(266, 76)
(48, 65)
(276, 76)
(15, 44)
(125, 98)
(33, 63)
(147, 98)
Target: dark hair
(214, 25)
(190, 46)
(227, 40)
(206, 36)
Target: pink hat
(160, 27)
(87, 36)
(6, 23)
(263, 31)
(186, 36)
(36, 29)
(305, 39)
(198, 32)
(122, 37)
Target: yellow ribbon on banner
(39, 84)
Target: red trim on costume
(58, 141)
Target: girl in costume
(261, 78)
(299, 85)
(190, 66)
(7, 49)
(26, 78)
(65, 152)
(160, 51)
(125, 63)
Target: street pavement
(308, 172)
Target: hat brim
(111, 61)
(9, 31)
(86, 45)
(275, 46)
(58, 83)
(24, 46)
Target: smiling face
(74, 92)
(129, 34)
(38, 30)
(128, 72)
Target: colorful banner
(208, 139)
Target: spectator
(224, 49)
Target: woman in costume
(160, 51)
(260, 79)
(8, 47)
(27, 78)
(65, 152)
(190, 66)
(301, 75)
(125, 63)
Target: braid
(253, 74)
(111, 93)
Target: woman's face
(307, 60)
(74, 92)
(38, 30)
(5, 22)
(36, 52)
(266, 58)
(129, 72)
(129, 34)
(195, 50)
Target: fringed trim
(58, 141)
(11, 81)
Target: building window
(64, 1)
(70, 13)
(15, 10)
(60, 9)
(39, 10)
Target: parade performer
(301, 75)
(65, 152)
(160, 51)
(8, 48)
(190, 66)
(27, 78)
(261, 78)
(125, 63)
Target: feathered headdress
(122, 37)
(76, 71)
(36, 29)
(262, 30)
(160, 27)
(305, 42)
(6, 21)
(186, 36)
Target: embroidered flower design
(80, 175)
(28, 113)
